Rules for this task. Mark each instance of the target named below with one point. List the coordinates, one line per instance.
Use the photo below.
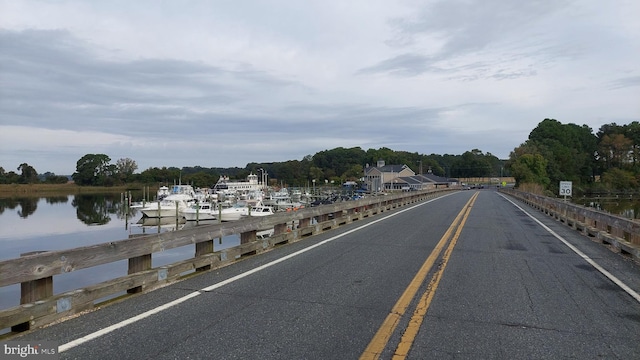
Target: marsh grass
(22, 190)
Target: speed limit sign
(565, 188)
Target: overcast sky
(225, 83)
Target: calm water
(623, 205)
(65, 222)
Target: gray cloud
(403, 65)
(54, 82)
(53, 77)
(456, 29)
(473, 25)
(626, 82)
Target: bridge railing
(34, 272)
(620, 233)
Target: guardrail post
(138, 264)
(203, 248)
(32, 291)
(279, 229)
(247, 237)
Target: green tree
(609, 129)
(162, 175)
(93, 169)
(356, 172)
(386, 154)
(200, 179)
(29, 175)
(10, 177)
(429, 164)
(51, 178)
(471, 164)
(570, 151)
(125, 168)
(632, 131)
(316, 173)
(338, 160)
(620, 179)
(615, 150)
(284, 174)
(529, 168)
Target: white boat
(241, 209)
(158, 225)
(282, 194)
(163, 192)
(166, 208)
(284, 205)
(296, 195)
(252, 196)
(182, 190)
(226, 211)
(228, 186)
(180, 198)
(261, 210)
(199, 211)
(234, 212)
(264, 234)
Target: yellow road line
(425, 301)
(381, 338)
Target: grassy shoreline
(10, 190)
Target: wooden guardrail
(34, 272)
(622, 234)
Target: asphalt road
(501, 287)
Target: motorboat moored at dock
(199, 211)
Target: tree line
(608, 160)
(601, 162)
(336, 166)
(29, 175)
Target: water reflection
(161, 224)
(625, 207)
(28, 206)
(93, 209)
(61, 199)
(97, 209)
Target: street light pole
(263, 179)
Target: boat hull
(202, 215)
(165, 209)
(230, 216)
(161, 213)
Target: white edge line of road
(146, 314)
(604, 272)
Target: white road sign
(565, 188)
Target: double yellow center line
(382, 336)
